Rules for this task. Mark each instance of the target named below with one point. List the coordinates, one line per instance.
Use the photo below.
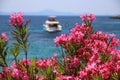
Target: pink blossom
(117, 67)
(55, 55)
(91, 17)
(45, 63)
(5, 69)
(83, 75)
(67, 78)
(16, 19)
(25, 76)
(16, 73)
(42, 78)
(112, 35)
(76, 61)
(56, 73)
(23, 61)
(83, 17)
(61, 40)
(93, 58)
(13, 65)
(1, 77)
(105, 70)
(4, 36)
(41, 64)
(115, 42)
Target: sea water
(42, 42)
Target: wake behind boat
(52, 25)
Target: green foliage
(3, 52)
(48, 73)
(32, 70)
(104, 58)
(15, 51)
(21, 35)
(61, 67)
(97, 78)
(115, 76)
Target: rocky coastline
(115, 17)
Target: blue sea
(42, 42)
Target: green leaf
(2, 63)
(26, 37)
(34, 61)
(61, 67)
(49, 70)
(15, 51)
(5, 51)
(14, 33)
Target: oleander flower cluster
(90, 55)
(86, 54)
(16, 19)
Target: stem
(26, 56)
(4, 60)
(24, 48)
(24, 43)
(5, 63)
(16, 60)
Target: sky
(98, 7)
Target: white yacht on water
(52, 25)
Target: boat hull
(52, 29)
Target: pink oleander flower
(106, 69)
(45, 63)
(91, 69)
(112, 35)
(76, 36)
(16, 19)
(25, 76)
(76, 61)
(83, 17)
(93, 58)
(99, 36)
(72, 62)
(56, 73)
(91, 17)
(67, 78)
(23, 61)
(61, 40)
(83, 75)
(55, 55)
(42, 64)
(1, 77)
(16, 74)
(5, 69)
(13, 65)
(118, 67)
(115, 42)
(4, 36)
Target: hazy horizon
(60, 7)
(52, 13)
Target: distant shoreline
(115, 17)
(53, 15)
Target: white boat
(52, 25)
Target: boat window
(53, 25)
(51, 19)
